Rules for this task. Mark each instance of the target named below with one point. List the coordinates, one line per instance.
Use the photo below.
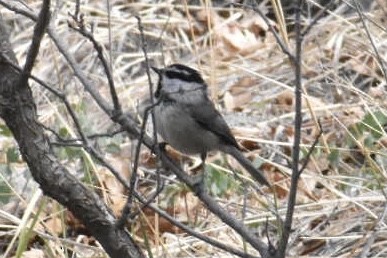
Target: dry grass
(341, 199)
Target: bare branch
(55, 180)
(287, 225)
(40, 29)
(80, 27)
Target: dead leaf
(312, 245)
(284, 102)
(364, 64)
(239, 94)
(238, 40)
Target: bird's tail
(237, 154)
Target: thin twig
(39, 30)
(64, 141)
(86, 145)
(110, 35)
(192, 232)
(378, 57)
(81, 28)
(145, 204)
(77, 8)
(309, 154)
(287, 225)
(133, 179)
(213, 206)
(317, 17)
(151, 91)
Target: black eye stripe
(184, 76)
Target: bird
(188, 121)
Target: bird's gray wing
(210, 119)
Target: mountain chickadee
(187, 119)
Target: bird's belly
(182, 132)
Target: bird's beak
(158, 71)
